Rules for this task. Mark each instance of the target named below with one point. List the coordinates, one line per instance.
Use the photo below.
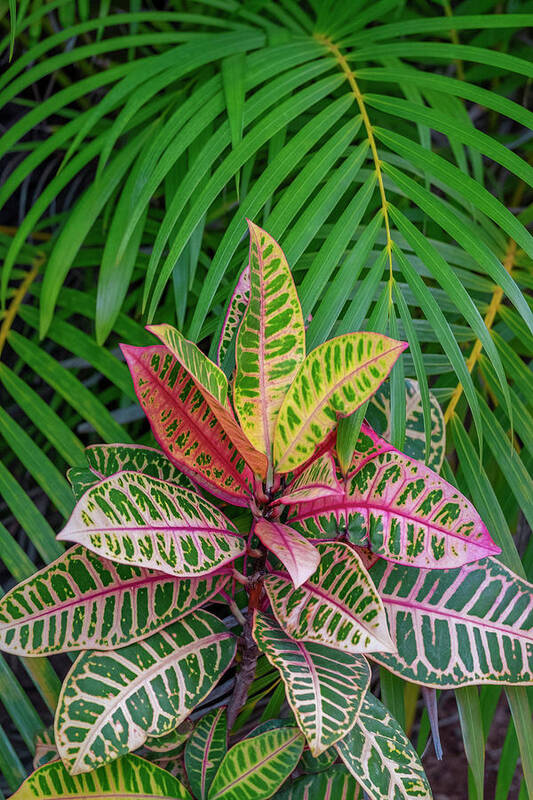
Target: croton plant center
(327, 550)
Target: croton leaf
(129, 778)
(338, 606)
(325, 687)
(107, 459)
(163, 749)
(236, 308)
(111, 702)
(316, 481)
(334, 380)
(459, 626)
(135, 519)
(270, 341)
(81, 479)
(255, 767)
(205, 750)
(380, 756)
(336, 784)
(185, 427)
(45, 748)
(410, 515)
(297, 555)
(378, 415)
(212, 383)
(310, 763)
(82, 601)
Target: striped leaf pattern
(111, 702)
(83, 601)
(108, 459)
(255, 767)
(185, 427)
(336, 783)
(338, 606)
(325, 687)
(134, 519)
(378, 415)
(318, 480)
(334, 380)
(205, 750)
(234, 314)
(297, 555)
(270, 342)
(410, 515)
(129, 777)
(163, 749)
(458, 627)
(380, 756)
(212, 383)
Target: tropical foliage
(382, 145)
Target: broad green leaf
(296, 553)
(212, 383)
(257, 766)
(409, 514)
(205, 750)
(310, 763)
(458, 627)
(378, 416)
(270, 342)
(381, 758)
(333, 381)
(184, 425)
(236, 308)
(129, 777)
(82, 601)
(111, 702)
(325, 687)
(318, 480)
(134, 519)
(81, 479)
(335, 783)
(108, 459)
(164, 749)
(338, 606)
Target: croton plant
(328, 560)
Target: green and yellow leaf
(205, 750)
(108, 459)
(334, 380)
(318, 480)
(134, 519)
(337, 782)
(236, 308)
(112, 702)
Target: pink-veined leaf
(213, 386)
(318, 480)
(234, 314)
(270, 342)
(297, 555)
(325, 687)
(334, 380)
(82, 601)
(205, 750)
(132, 518)
(184, 425)
(338, 606)
(107, 459)
(458, 627)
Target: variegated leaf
(381, 758)
(83, 601)
(318, 480)
(213, 386)
(310, 763)
(45, 748)
(205, 750)
(336, 784)
(160, 749)
(334, 380)
(132, 518)
(111, 702)
(107, 459)
(185, 427)
(81, 479)
(325, 687)
(255, 767)
(458, 627)
(410, 515)
(297, 555)
(270, 342)
(339, 605)
(236, 308)
(378, 415)
(129, 778)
